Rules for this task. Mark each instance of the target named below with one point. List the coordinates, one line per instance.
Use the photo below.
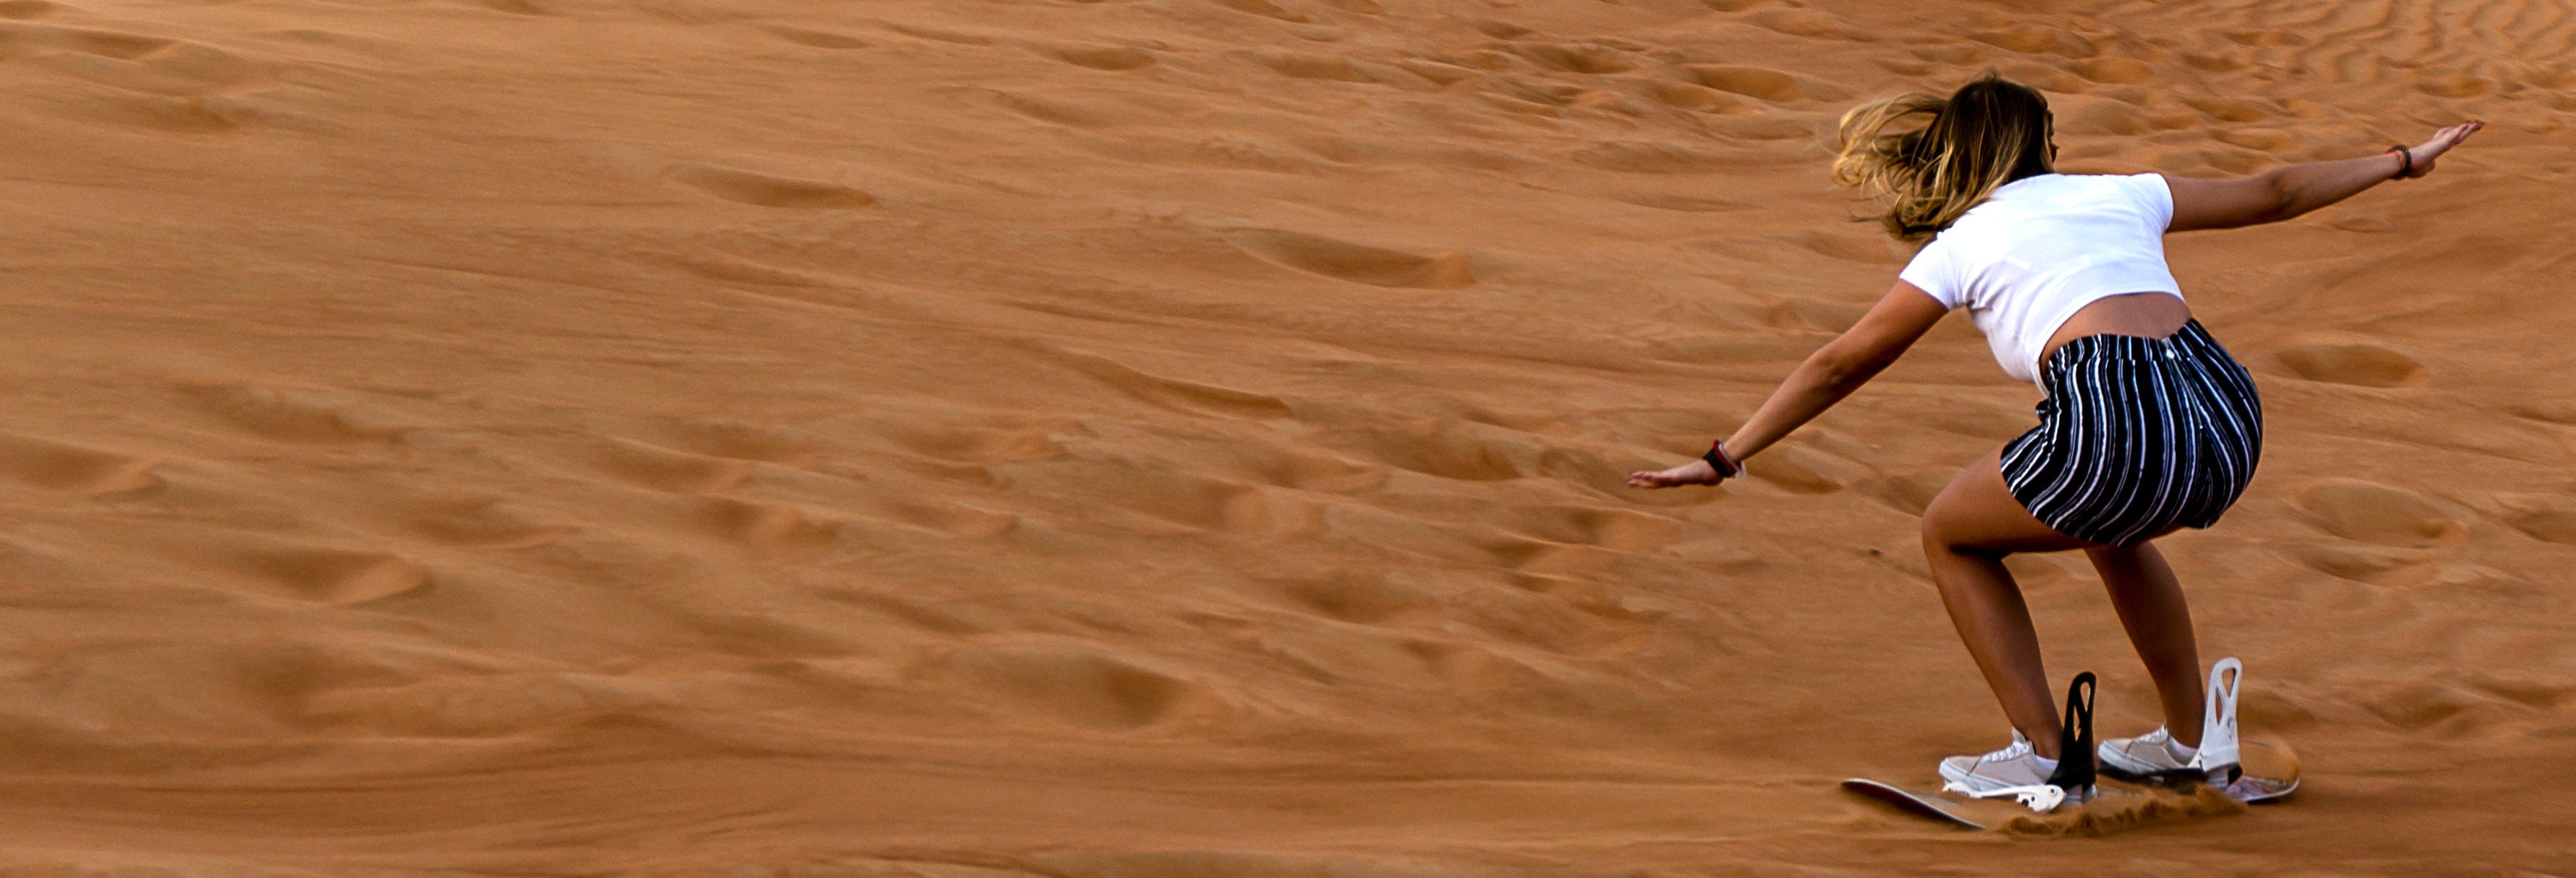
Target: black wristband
(1717, 459)
(2405, 162)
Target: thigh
(1977, 512)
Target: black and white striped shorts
(2137, 435)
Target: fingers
(2441, 142)
(1660, 479)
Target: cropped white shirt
(2041, 248)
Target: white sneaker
(2041, 784)
(2156, 756)
(2003, 772)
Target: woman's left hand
(2424, 154)
(1696, 472)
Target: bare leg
(2150, 602)
(1967, 531)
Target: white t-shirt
(2041, 248)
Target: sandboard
(1918, 803)
(2271, 773)
(1973, 813)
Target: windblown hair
(1946, 154)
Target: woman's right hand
(1696, 472)
(2424, 153)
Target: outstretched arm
(2291, 190)
(1828, 375)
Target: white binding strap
(2218, 747)
(2041, 798)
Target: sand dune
(1183, 437)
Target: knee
(1939, 538)
(1942, 537)
(1940, 530)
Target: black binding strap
(2074, 772)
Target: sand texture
(1182, 438)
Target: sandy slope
(979, 439)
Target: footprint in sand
(48, 465)
(2258, 140)
(1687, 96)
(1359, 597)
(2424, 703)
(764, 190)
(1302, 65)
(2114, 70)
(1178, 393)
(1079, 113)
(1751, 82)
(951, 519)
(2380, 514)
(1357, 263)
(2226, 110)
(974, 439)
(297, 414)
(927, 615)
(1188, 501)
(1955, 54)
(172, 115)
(1615, 529)
(732, 440)
(664, 469)
(765, 527)
(1800, 23)
(2453, 85)
(943, 35)
(2034, 40)
(817, 38)
(1112, 58)
(2555, 411)
(2104, 117)
(1074, 686)
(1306, 470)
(162, 67)
(2363, 364)
(1447, 449)
(1573, 58)
(112, 44)
(2214, 62)
(335, 576)
(2355, 562)
(477, 522)
(1265, 9)
(2541, 516)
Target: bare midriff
(2145, 315)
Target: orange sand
(1178, 438)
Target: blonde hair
(1990, 132)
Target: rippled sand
(1179, 438)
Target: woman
(2148, 425)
